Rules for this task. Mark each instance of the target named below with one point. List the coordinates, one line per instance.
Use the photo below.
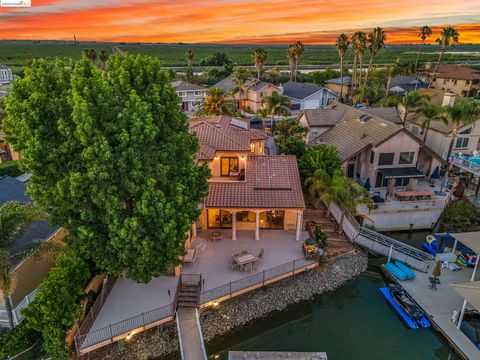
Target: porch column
(257, 225)
(194, 229)
(299, 226)
(234, 225)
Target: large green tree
(111, 158)
(316, 157)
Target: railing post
(230, 289)
(143, 318)
(263, 281)
(111, 332)
(293, 272)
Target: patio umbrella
(436, 173)
(367, 185)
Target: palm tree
(216, 102)
(463, 113)
(275, 105)
(294, 53)
(14, 218)
(430, 112)
(103, 56)
(259, 57)
(189, 57)
(240, 77)
(425, 32)
(342, 46)
(376, 41)
(359, 41)
(392, 70)
(412, 101)
(449, 35)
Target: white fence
(17, 316)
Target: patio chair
(260, 255)
(233, 263)
(248, 267)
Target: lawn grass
(17, 54)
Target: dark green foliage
(216, 59)
(293, 145)
(111, 158)
(460, 216)
(289, 137)
(319, 157)
(10, 168)
(57, 303)
(320, 77)
(321, 237)
(17, 340)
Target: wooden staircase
(190, 288)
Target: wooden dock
(439, 305)
(276, 355)
(190, 337)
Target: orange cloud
(233, 21)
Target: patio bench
(190, 256)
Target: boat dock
(275, 355)
(439, 305)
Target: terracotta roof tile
(271, 182)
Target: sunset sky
(235, 21)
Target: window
(229, 165)
(406, 157)
(198, 93)
(263, 94)
(402, 182)
(466, 131)
(462, 142)
(245, 216)
(252, 147)
(454, 82)
(372, 156)
(314, 132)
(181, 93)
(415, 130)
(386, 159)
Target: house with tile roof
(248, 189)
(336, 84)
(27, 271)
(307, 96)
(252, 94)
(320, 120)
(189, 94)
(390, 162)
(457, 79)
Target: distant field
(18, 54)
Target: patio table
(216, 236)
(245, 258)
(414, 194)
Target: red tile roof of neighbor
(454, 72)
(272, 182)
(223, 133)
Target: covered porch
(233, 220)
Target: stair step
(187, 304)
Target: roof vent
(364, 118)
(364, 136)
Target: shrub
(17, 340)
(57, 304)
(321, 237)
(10, 168)
(319, 157)
(460, 216)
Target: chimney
(449, 99)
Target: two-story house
(189, 94)
(320, 120)
(391, 163)
(252, 93)
(336, 85)
(452, 78)
(307, 96)
(28, 272)
(248, 190)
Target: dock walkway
(191, 340)
(439, 306)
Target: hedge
(10, 168)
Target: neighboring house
(6, 75)
(320, 120)
(248, 190)
(189, 94)
(307, 96)
(6, 151)
(252, 93)
(400, 85)
(28, 272)
(336, 84)
(387, 159)
(459, 80)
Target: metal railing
(16, 315)
(202, 342)
(257, 279)
(180, 341)
(87, 323)
(121, 328)
(403, 205)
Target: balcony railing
(465, 164)
(17, 316)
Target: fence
(256, 280)
(16, 315)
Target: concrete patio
(279, 247)
(129, 298)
